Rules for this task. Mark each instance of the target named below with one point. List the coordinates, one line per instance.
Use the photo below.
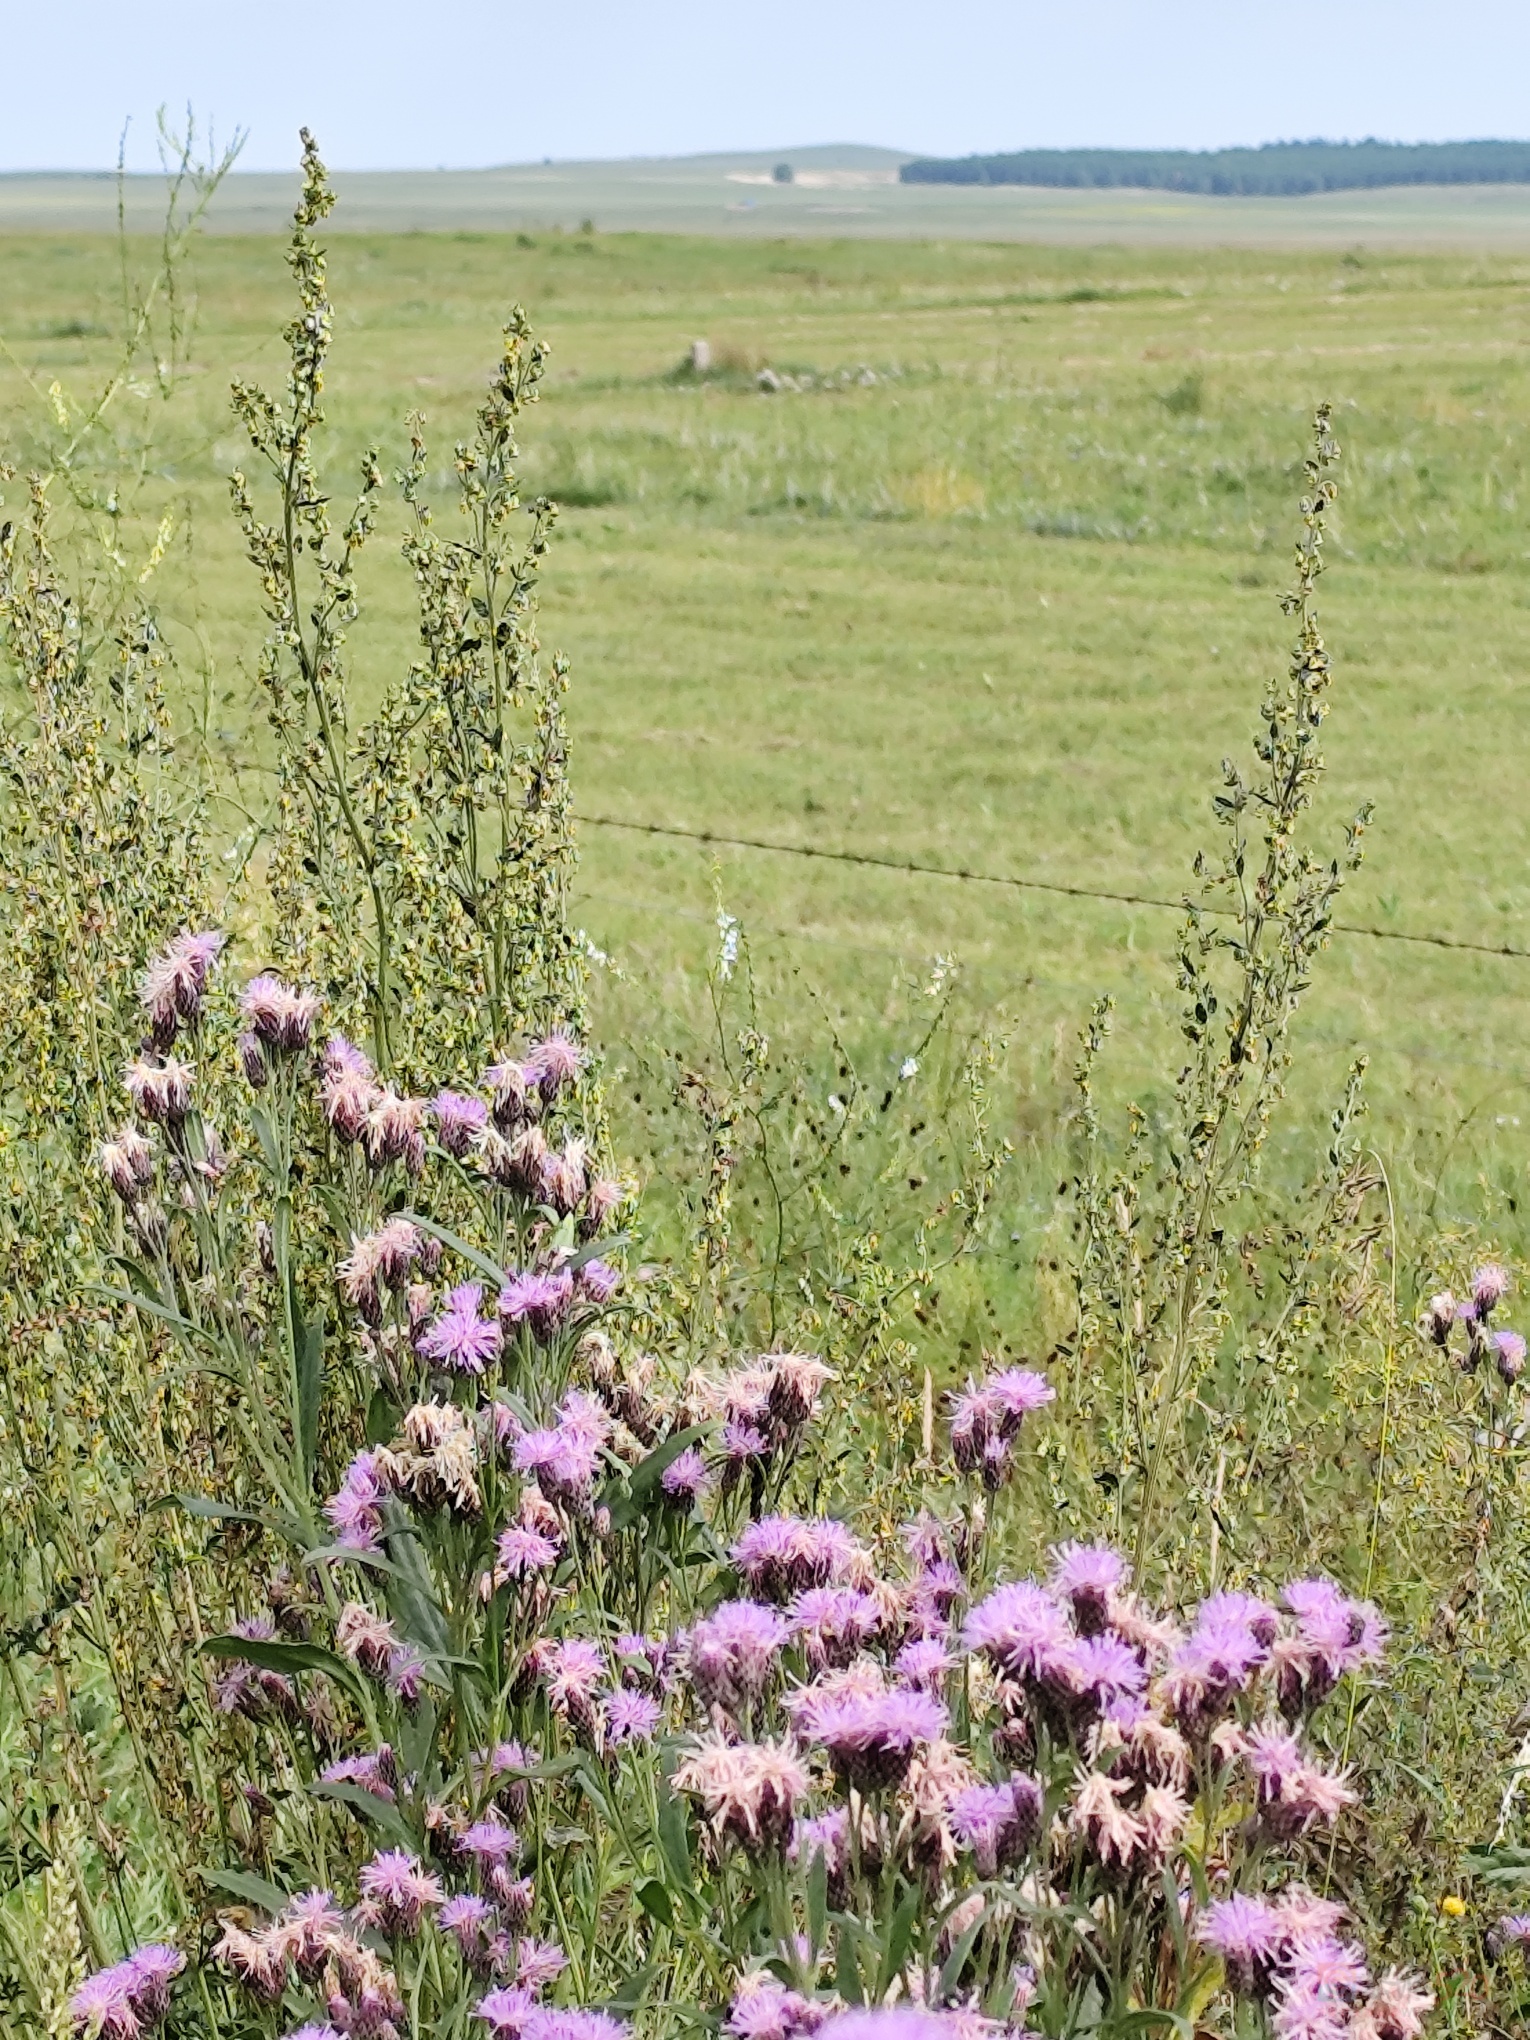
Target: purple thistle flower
(470, 1920)
(871, 1737)
(780, 1556)
(318, 2029)
(489, 1842)
(998, 1823)
(554, 1062)
(1249, 1935)
(540, 1302)
(460, 1338)
(539, 1963)
(562, 1461)
(1509, 1351)
(406, 1673)
(732, 1652)
(598, 1281)
(766, 2010)
(1227, 1608)
(743, 1444)
(279, 1016)
(505, 2011)
(546, 2023)
(151, 1970)
(1218, 1660)
(1086, 1576)
(1108, 1669)
(832, 1623)
(171, 988)
(395, 1892)
(892, 2022)
(521, 1553)
(1022, 1631)
(924, 1663)
(374, 1772)
(631, 1716)
(1490, 1285)
(686, 1480)
(103, 2005)
(459, 1121)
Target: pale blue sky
(462, 82)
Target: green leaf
(654, 1900)
(817, 1898)
(383, 1815)
(847, 1971)
(277, 1655)
(265, 1133)
(639, 1484)
(205, 1506)
(674, 1837)
(956, 1961)
(1506, 1865)
(417, 1742)
(252, 1889)
(899, 1935)
(487, 1268)
(308, 1338)
(382, 1418)
(412, 1597)
(159, 1310)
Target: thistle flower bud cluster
(1472, 1318)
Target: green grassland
(989, 583)
(836, 191)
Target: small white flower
(727, 955)
(836, 1103)
(908, 1069)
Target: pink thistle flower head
(506, 2010)
(278, 1014)
(1509, 1356)
(160, 1090)
(539, 1963)
(998, 1823)
(127, 1162)
(460, 1338)
(541, 1302)
(554, 1062)
(732, 1652)
(396, 1892)
(871, 1738)
(103, 2006)
(458, 1121)
(832, 1624)
(1490, 1285)
(171, 988)
(1021, 1630)
(631, 1717)
(1249, 1935)
(750, 1791)
(781, 1556)
(685, 1481)
(924, 1663)
(1086, 1576)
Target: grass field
(993, 586)
(836, 191)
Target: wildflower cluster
(559, 1646)
(1464, 1328)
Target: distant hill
(1277, 170)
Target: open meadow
(988, 584)
(383, 1461)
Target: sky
(464, 83)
